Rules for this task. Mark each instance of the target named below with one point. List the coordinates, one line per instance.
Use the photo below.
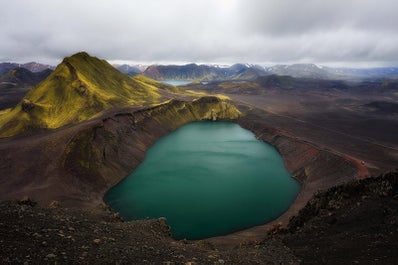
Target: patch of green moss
(78, 154)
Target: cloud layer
(351, 32)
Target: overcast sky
(332, 32)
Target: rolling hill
(21, 77)
(79, 88)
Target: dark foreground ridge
(354, 223)
(34, 235)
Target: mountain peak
(79, 88)
(81, 54)
(80, 57)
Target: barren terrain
(359, 120)
(326, 137)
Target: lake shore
(118, 141)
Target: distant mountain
(79, 88)
(323, 72)
(21, 77)
(245, 72)
(249, 72)
(203, 72)
(182, 72)
(37, 67)
(300, 70)
(197, 72)
(365, 73)
(5, 67)
(32, 66)
(128, 69)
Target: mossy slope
(80, 87)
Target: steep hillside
(79, 88)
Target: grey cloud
(297, 17)
(228, 31)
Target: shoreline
(83, 161)
(259, 232)
(307, 189)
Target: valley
(86, 126)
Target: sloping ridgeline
(79, 88)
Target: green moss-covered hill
(80, 87)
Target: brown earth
(33, 235)
(76, 164)
(355, 223)
(358, 120)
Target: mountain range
(31, 66)
(196, 72)
(322, 72)
(203, 72)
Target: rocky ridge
(34, 235)
(354, 223)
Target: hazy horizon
(221, 64)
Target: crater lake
(207, 179)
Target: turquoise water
(207, 179)
(176, 82)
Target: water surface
(207, 179)
(176, 82)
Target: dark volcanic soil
(33, 235)
(358, 119)
(326, 138)
(77, 164)
(354, 223)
